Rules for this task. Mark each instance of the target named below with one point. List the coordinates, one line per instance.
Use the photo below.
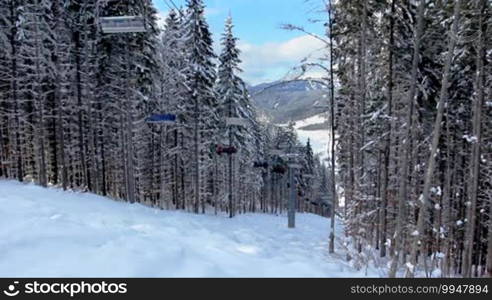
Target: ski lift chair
(260, 164)
(123, 24)
(279, 169)
(225, 149)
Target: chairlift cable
(179, 10)
(168, 5)
(173, 6)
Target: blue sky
(269, 52)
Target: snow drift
(51, 233)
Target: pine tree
(235, 103)
(11, 108)
(200, 110)
(172, 93)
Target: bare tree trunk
(333, 136)
(386, 154)
(128, 131)
(59, 126)
(40, 132)
(80, 118)
(477, 133)
(402, 192)
(196, 157)
(447, 203)
(489, 244)
(424, 199)
(14, 92)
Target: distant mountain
(282, 102)
(289, 86)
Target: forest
(77, 107)
(408, 87)
(415, 126)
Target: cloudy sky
(268, 52)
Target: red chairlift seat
(259, 164)
(279, 169)
(221, 149)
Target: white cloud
(271, 61)
(212, 11)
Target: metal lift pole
(292, 200)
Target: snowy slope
(51, 233)
(320, 138)
(317, 119)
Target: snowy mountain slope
(51, 233)
(284, 102)
(320, 138)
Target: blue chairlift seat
(165, 118)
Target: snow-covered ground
(51, 233)
(320, 138)
(317, 119)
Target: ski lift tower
(287, 152)
(293, 168)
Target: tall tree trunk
(387, 142)
(333, 137)
(40, 130)
(489, 243)
(80, 111)
(128, 128)
(476, 143)
(447, 201)
(424, 202)
(196, 157)
(15, 90)
(60, 129)
(402, 191)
